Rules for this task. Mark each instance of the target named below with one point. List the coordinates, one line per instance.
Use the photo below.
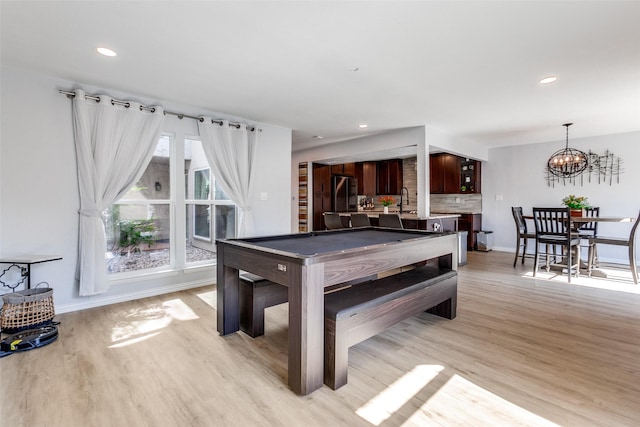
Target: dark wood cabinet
(451, 174)
(444, 173)
(470, 176)
(345, 169)
(470, 223)
(366, 176)
(321, 194)
(389, 177)
(436, 174)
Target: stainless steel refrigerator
(345, 194)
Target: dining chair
(522, 234)
(553, 230)
(588, 230)
(389, 221)
(360, 220)
(620, 241)
(332, 221)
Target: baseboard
(114, 299)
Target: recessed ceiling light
(548, 80)
(362, 125)
(318, 137)
(105, 51)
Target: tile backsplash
(442, 203)
(456, 203)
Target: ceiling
(469, 69)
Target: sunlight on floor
(469, 404)
(381, 407)
(178, 310)
(134, 340)
(457, 402)
(138, 325)
(209, 298)
(605, 277)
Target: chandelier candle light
(568, 162)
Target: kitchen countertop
(459, 213)
(375, 213)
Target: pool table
(307, 263)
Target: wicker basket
(26, 309)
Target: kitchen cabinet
(451, 174)
(470, 223)
(366, 176)
(321, 194)
(469, 176)
(389, 177)
(444, 173)
(345, 169)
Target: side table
(23, 264)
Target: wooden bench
(355, 314)
(256, 294)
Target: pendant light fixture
(568, 162)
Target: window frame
(203, 202)
(211, 202)
(171, 202)
(181, 180)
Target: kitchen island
(411, 221)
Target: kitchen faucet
(401, 194)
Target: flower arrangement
(574, 202)
(386, 200)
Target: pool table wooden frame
(308, 275)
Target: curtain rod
(70, 94)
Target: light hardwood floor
(520, 352)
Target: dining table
(577, 221)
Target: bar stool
(390, 221)
(332, 221)
(360, 220)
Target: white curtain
(114, 145)
(231, 152)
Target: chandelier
(568, 162)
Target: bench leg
(446, 309)
(336, 357)
(254, 300)
(251, 312)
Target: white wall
(39, 189)
(455, 145)
(517, 174)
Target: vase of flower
(386, 201)
(575, 204)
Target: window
(140, 230)
(210, 214)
